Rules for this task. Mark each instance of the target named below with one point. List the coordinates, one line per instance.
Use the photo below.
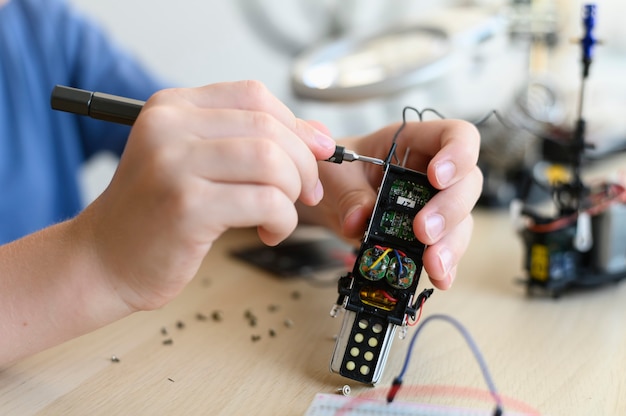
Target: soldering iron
(124, 110)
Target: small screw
(216, 316)
(295, 295)
(168, 341)
(272, 308)
(164, 331)
(250, 317)
(115, 359)
(288, 323)
(255, 338)
(170, 379)
(272, 333)
(200, 317)
(180, 324)
(345, 390)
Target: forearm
(52, 289)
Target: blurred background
(354, 65)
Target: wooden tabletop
(202, 355)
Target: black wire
(494, 113)
(509, 125)
(420, 115)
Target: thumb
(356, 215)
(350, 195)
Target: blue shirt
(44, 43)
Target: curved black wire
(420, 114)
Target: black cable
(420, 115)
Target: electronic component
(379, 293)
(581, 243)
(583, 247)
(337, 404)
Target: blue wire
(399, 263)
(470, 343)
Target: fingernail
(324, 140)
(434, 226)
(350, 212)
(318, 193)
(444, 172)
(445, 260)
(445, 283)
(448, 280)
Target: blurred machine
(576, 235)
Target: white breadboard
(338, 405)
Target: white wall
(190, 42)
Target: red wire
(420, 313)
(602, 200)
(389, 297)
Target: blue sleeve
(90, 60)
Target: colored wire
(379, 259)
(426, 293)
(419, 316)
(389, 297)
(397, 382)
(399, 263)
(601, 201)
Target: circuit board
(379, 293)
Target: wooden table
(561, 357)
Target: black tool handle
(96, 105)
